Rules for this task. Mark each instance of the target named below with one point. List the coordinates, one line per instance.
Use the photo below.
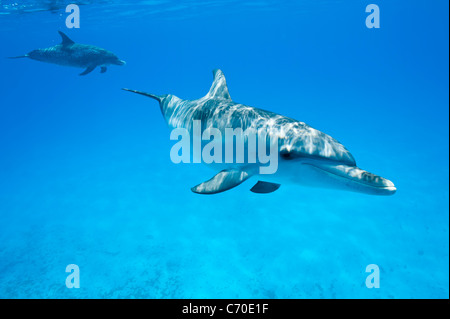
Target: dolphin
(69, 53)
(306, 155)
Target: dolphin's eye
(286, 155)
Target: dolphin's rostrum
(69, 53)
(306, 155)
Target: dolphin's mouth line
(355, 180)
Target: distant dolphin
(74, 54)
(306, 155)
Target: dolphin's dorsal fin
(65, 39)
(219, 89)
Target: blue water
(86, 177)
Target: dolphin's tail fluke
(18, 57)
(153, 96)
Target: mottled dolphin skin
(306, 155)
(69, 53)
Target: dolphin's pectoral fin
(88, 70)
(264, 187)
(219, 89)
(221, 182)
(103, 69)
(65, 39)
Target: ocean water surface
(86, 177)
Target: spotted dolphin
(69, 53)
(306, 155)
